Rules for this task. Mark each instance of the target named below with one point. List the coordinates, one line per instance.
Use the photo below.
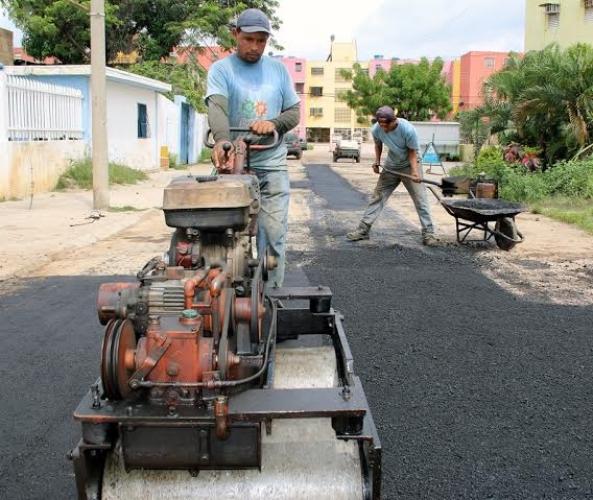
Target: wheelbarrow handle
(424, 181)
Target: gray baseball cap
(386, 113)
(253, 21)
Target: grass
(126, 208)
(205, 155)
(80, 175)
(572, 211)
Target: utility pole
(99, 108)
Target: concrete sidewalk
(36, 233)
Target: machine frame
(250, 412)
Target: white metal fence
(41, 111)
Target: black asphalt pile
(476, 393)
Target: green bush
(173, 160)
(80, 175)
(517, 185)
(573, 179)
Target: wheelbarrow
(478, 214)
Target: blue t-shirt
(399, 141)
(255, 91)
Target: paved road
(476, 393)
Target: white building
(45, 122)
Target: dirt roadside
(61, 234)
(57, 236)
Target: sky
(401, 28)
(394, 28)
(6, 23)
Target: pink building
(378, 63)
(476, 67)
(297, 70)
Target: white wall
(200, 128)
(122, 126)
(31, 166)
(34, 166)
(446, 136)
(168, 129)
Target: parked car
(293, 146)
(347, 149)
(303, 143)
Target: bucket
(485, 190)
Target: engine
(192, 323)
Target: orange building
(475, 68)
(204, 56)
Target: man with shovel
(402, 140)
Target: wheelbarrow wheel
(506, 227)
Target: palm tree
(545, 100)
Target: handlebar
(249, 139)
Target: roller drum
(302, 458)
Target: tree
(474, 128)
(545, 100)
(418, 91)
(188, 79)
(152, 28)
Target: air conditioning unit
(551, 8)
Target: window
(316, 112)
(316, 91)
(379, 68)
(589, 11)
(489, 62)
(300, 88)
(553, 21)
(342, 115)
(317, 70)
(142, 121)
(298, 67)
(343, 133)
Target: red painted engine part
(187, 356)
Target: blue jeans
(386, 184)
(272, 221)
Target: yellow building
(455, 82)
(565, 22)
(326, 114)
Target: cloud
(402, 28)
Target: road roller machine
(212, 386)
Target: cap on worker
(253, 21)
(385, 113)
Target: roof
(112, 74)
(21, 56)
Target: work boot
(360, 233)
(430, 240)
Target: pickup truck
(347, 149)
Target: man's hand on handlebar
(223, 156)
(376, 167)
(262, 127)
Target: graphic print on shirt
(252, 110)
